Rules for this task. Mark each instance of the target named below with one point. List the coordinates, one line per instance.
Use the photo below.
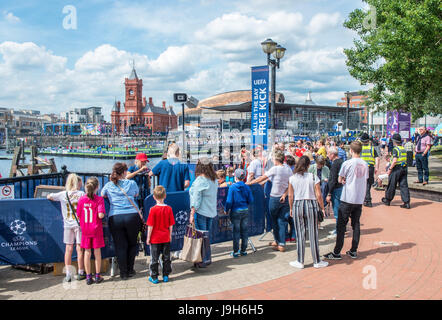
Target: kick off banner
(260, 105)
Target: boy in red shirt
(159, 235)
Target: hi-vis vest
(367, 154)
(402, 156)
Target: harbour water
(74, 164)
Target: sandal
(273, 244)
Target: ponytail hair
(91, 185)
(118, 169)
(302, 166)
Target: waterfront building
(233, 110)
(140, 116)
(83, 115)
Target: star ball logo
(181, 217)
(18, 227)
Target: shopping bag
(206, 253)
(192, 244)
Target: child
(238, 200)
(221, 176)
(72, 232)
(90, 211)
(230, 178)
(159, 235)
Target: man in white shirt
(256, 166)
(353, 175)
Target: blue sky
(200, 47)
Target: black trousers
(155, 250)
(370, 182)
(398, 176)
(348, 211)
(124, 229)
(409, 158)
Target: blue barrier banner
(221, 228)
(31, 231)
(260, 105)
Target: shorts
(72, 235)
(92, 242)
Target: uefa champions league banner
(31, 231)
(260, 105)
(221, 227)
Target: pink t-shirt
(87, 212)
(424, 142)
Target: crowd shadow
(365, 254)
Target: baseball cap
(141, 157)
(240, 174)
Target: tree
(398, 53)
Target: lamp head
(268, 46)
(279, 52)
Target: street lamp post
(270, 47)
(347, 96)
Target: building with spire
(140, 116)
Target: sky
(58, 55)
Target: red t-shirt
(87, 213)
(160, 219)
(300, 152)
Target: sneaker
(243, 253)
(99, 279)
(124, 277)
(353, 255)
(154, 281)
(234, 254)
(385, 201)
(81, 276)
(296, 264)
(406, 205)
(165, 279)
(332, 236)
(68, 278)
(321, 264)
(333, 256)
(89, 280)
(292, 240)
(368, 204)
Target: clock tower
(134, 90)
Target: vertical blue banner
(260, 105)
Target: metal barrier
(24, 187)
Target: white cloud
(324, 21)
(10, 17)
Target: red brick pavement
(407, 265)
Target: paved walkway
(400, 251)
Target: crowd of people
(301, 180)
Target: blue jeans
(336, 200)
(423, 172)
(278, 211)
(290, 225)
(204, 223)
(239, 220)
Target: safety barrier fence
(31, 230)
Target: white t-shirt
(255, 167)
(279, 175)
(303, 186)
(68, 217)
(355, 172)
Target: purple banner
(392, 123)
(404, 123)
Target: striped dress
(305, 208)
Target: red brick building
(140, 116)
(356, 100)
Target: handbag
(143, 227)
(192, 245)
(319, 212)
